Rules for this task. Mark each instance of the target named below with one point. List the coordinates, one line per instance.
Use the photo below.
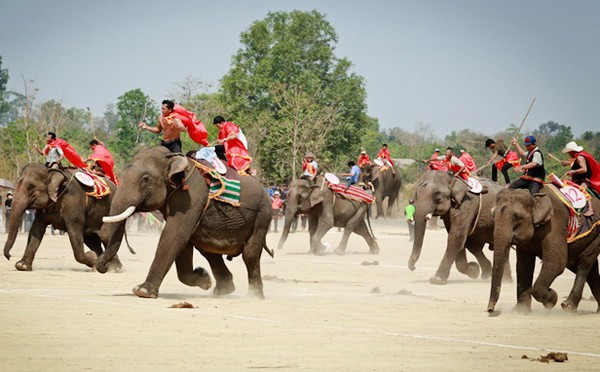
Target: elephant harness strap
(223, 189)
(579, 224)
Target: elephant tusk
(428, 216)
(120, 217)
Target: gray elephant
(537, 226)
(467, 218)
(192, 219)
(59, 200)
(325, 211)
(386, 185)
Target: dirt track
(354, 312)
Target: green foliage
(286, 82)
(4, 105)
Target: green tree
(4, 104)
(132, 107)
(284, 77)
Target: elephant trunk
(421, 221)
(502, 243)
(19, 205)
(290, 214)
(113, 229)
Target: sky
(451, 65)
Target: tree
(4, 105)
(286, 76)
(132, 107)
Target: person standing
(309, 167)
(534, 172)
(235, 147)
(508, 159)
(409, 212)
(277, 207)
(171, 127)
(7, 209)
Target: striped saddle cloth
(225, 188)
(352, 193)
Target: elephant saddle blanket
(222, 187)
(581, 220)
(98, 184)
(352, 193)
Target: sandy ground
(354, 312)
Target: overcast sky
(450, 64)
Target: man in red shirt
(466, 158)
(386, 157)
(434, 163)
(103, 159)
(363, 158)
(235, 150)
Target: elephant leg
(588, 264)
(36, 234)
(525, 268)
(95, 244)
(172, 241)
(223, 277)
(593, 281)
(349, 228)
(379, 203)
(476, 248)
(251, 256)
(76, 238)
(390, 204)
(186, 273)
(456, 242)
(325, 223)
(550, 270)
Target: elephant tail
(128, 245)
(369, 223)
(269, 250)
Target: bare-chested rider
(170, 126)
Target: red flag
(195, 128)
(69, 152)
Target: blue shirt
(354, 173)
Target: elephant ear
(375, 172)
(316, 196)
(458, 190)
(177, 163)
(57, 179)
(542, 209)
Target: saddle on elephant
(353, 192)
(578, 201)
(98, 184)
(223, 181)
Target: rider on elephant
(67, 150)
(534, 171)
(103, 159)
(585, 170)
(363, 158)
(508, 159)
(466, 158)
(352, 177)
(170, 126)
(454, 164)
(230, 136)
(309, 167)
(385, 156)
(434, 163)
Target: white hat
(436, 150)
(572, 146)
(276, 193)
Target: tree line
(288, 91)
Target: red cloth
(68, 150)
(237, 154)
(595, 168)
(435, 164)
(104, 158)
(363, 159)
(470, 165)
(456, 168)
(276, 203)
(511, 158)
(195, 128)
(353, 192)
(385, 154)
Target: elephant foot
(569, 306)
(436, 279)
(256, 293)
(144, 292)
(507, 279)
(91, 258)
(320, 250)
(522, 308)
(374, 249)
(223, 289)
(114, 265)
(203, 280)
(412, 265)
(339, 251)
(23, 266)
(472, 270)
(552, 299)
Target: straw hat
(309, 155)
(572, 146)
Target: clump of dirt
(273, 278)
(405, 292)
(182, 305)
(552, 356)
(367, 263)
(376, 290)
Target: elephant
(192, 219)
(468, 220)
(386, 185)
(62, 202)
(325, 210)
(537, 225)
